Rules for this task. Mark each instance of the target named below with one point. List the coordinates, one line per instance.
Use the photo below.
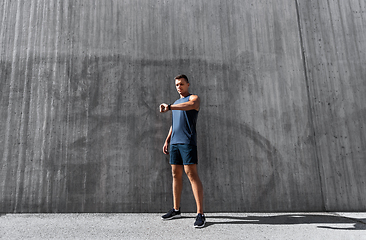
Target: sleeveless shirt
(184, 125)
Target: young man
(183, 148)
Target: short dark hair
(182, 76)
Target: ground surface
(150, 226)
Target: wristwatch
(169, 107)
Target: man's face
(182, 86)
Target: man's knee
(176, 175)
(177, 172)
(191, 172)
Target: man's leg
(197, 188)
(177, 173)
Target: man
(183, 148)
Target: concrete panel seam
(302, 48)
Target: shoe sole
(174, 217)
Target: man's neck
(184, 95)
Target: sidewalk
(150, 226)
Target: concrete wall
(334, 36)
(282, 124)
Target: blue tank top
(184, 125)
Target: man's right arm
(167, 141)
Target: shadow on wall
(116, 122)
(117, 99)
(253, 149)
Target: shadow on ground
(291, 219)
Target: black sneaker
(171, 214)
(200, 221)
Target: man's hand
(165, 148)
(164, 107)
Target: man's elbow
(195, 105)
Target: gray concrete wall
(282, 120)
(335, 53)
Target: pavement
(150, 226)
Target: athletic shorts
(183, 154)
